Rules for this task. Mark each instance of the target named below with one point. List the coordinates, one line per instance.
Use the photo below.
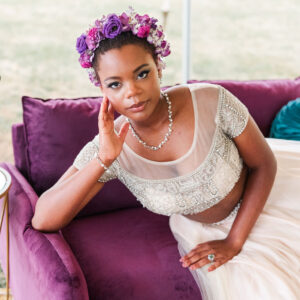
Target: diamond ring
(211, 257)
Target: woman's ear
(159, 74)
(159, 69)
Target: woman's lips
(137, 108)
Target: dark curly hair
(125, 38)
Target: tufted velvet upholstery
(114, 248)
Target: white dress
(268, 267)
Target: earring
(160, 80)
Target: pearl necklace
(165, 95)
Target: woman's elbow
(42, 226)
(36, 224)
(273, 165)
(267, 167)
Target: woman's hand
(224, 250)
(110, 143)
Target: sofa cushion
(263, 98)
(286, 124)
(56, 130)
(134, 254)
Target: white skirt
(268, 266)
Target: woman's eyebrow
(138, 68)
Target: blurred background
(249, 39)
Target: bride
(192, 152)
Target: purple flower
(143, 31)
(84, 60)
(98, 24)
(166, 51)
(81, 44)
(153, 20)
(126, 28)
(124, 19)
(159, 33)
(145, 19)
(112, 27)
(153, 26)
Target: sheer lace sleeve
(233, 115)
(86, 154)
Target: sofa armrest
(42, 265)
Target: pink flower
(93, 33)
(112, 25)
(84, 60)
(93, 38)
(166, 51)
(143, 31)
(145, 19)
(124, 19)
(159, 33)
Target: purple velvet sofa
(114, 248)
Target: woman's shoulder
(199, 91)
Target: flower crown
(108, 27)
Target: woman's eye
(113, 85)
(144, 74)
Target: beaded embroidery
(199, 190)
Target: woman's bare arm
(262, 164)
(61, 203)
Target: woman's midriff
(222, 209)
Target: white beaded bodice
(188, 185)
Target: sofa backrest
(54, 130)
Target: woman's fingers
(106, 114)
(111, 110)
(103, 108)
(216, 265)
(200, 263)
(123, 131)
(203, 256)
(200, 248)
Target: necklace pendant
(165, 95)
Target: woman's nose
(132, 90)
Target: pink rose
(93, 38)
(143, 31)
(93, 33)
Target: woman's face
(130, 79)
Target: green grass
(248, 39)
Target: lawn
(233, 39)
